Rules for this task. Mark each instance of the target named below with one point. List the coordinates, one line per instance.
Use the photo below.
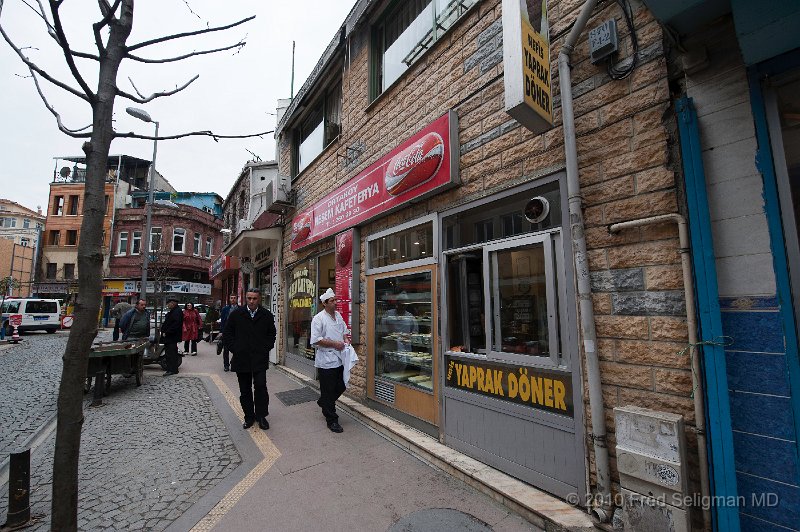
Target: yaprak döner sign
(420, 166)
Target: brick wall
(625, 170)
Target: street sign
(66, 322)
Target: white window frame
(175, 232)
(159, 231)
(197, 245)
(123, 237)
(135, 239)
(209, 246)
(431, 218)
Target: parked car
(158, 316)
(37, 314)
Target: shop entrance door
(511, 396)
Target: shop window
(52, 268)
(72, 237)
(320, 127)
(196, 244)
(501, 218)
(178, 240)
(136, 243)
(406, 31)
(58, 205)
(69, 271)
(403, 318)
(405, 245)
(155, 239)
(122, 244)
(302, 305)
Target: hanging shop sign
(533, 387)
(526, 59)
(219, 265)
(420, 166)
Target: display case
(402, 350)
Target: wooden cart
(116, 358)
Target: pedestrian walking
(117, 312)
(192, 325)
(135, 324)
(328, 331)
(223, 318)
(171, 330)
(250, 335)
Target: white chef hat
(327, 295)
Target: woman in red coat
(192, 324)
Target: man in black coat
(250, 335)
(171, 332)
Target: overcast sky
(236, 93)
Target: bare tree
(111, 32)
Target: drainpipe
(691, 323)
(602, 511)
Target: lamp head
(141, 114)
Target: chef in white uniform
(328, 338)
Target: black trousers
(190, 343)
(173, 358)
(116, 331)
(331, 387)
(253, 386)
(226, 357)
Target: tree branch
(187, 34)
(31, 65)
(143, 99)
(62, 42)
(71, 132)
(211, 134)
(108, 15)
(50, 29)
(238, 45)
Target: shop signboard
(219, 265)
(52, 288)
(424, 164)
(533, 387)
(187, 287)
(526, 56)
(347, 249)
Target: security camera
(537, 209)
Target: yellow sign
(536, 71)
(113, 286)
(537, 388)
(526, 55)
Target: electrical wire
(613, 70)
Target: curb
(541, 509)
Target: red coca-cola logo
(301, 228)
(344, 249)
(415, 165)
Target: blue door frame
(722, 469)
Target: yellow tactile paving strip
(265, 445)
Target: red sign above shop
(424, 164)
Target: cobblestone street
(147, 454)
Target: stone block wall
(624, 146)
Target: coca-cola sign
(422, 165)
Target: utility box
(651, 459)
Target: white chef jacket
(323, 326)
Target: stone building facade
(347, 119)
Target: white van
(37, 314)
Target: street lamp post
(144, 116)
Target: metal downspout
(582, 269)
(691, 323)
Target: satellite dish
(65, 171)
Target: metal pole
(19, 489)
(146, 235)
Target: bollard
(15, 337)
(19, 490)
(99, 388)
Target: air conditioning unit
(276, 194)
(243, 225)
